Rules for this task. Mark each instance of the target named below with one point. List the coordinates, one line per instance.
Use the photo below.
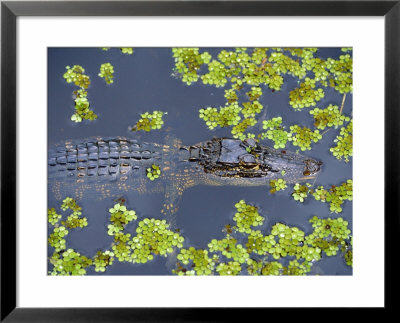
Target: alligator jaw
(225, 157)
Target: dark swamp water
(143, 82)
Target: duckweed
(344, 143)
(301, 191)
(277, 185)
(153, 238)
(52, 216)
(149, 121)
(230, 268)
(107, 72)
(127, 50)
(69, 263)
(302, 137)
(102, 260)
(306, 95)
(328, 117)
(153, 172)
(120, 216)
(247, 216)
(76, 75)
(275, 132)
(202, 264)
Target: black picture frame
(10, 10)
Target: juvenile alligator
(111, 166)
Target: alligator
(108, 167)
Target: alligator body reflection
(110, 167)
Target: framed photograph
(159, 158)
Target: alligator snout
(311, 167)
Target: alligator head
(227, 157)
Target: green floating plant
(153, 172)
(70, 203)
(336, 195)
(120, 247)
(187, 63)
(275, 132)
(75, 74)
(250, 109)
(202, 264)
(107, 72)
(52, 216)
(82, 106)
(246, 217)
(296, 269)
(341, 73)
(56, 239)
(328, 117)
(344, 143)
(230, 249)
(150, 121)
(302, 137)
(224, 117)
(120, 216)
(301, 191)
(331, 236)
(277, 185)
(102, 260)
(306, 95)
(230, 268)
(74, 221)
(153, 238)
(69, 263)
(254, 94)
(238, 130)
(127, 50)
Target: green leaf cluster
(301, 191)
(328, 117)
(82, 107)
(344, 143)
(341, 70)
(331, 236)
(120, 216)
(102, 260)
(202, 264)
(153, 172)
(306, 95)
(52, 216)
(275, 132)
(153, 238)
(277, 185)
(107, 72)
(231, 268)
(188, 62)
(303, 136)
(336, 195)
(69, 263)
(247, 216)
(149, 121)
(127, 50)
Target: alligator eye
(307, 173)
